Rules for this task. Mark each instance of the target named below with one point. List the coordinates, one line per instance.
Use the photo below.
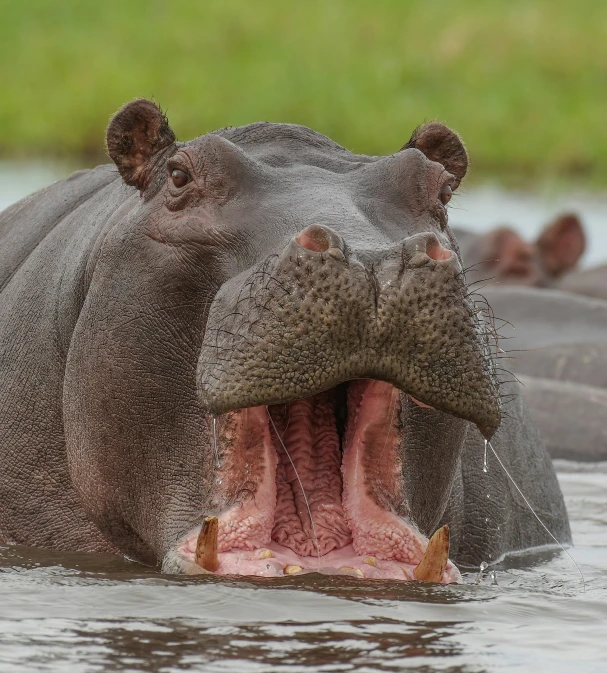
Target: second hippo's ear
(138, 132)
(439, 143)
(561, 244)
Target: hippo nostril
(436, 251)
(315, 238)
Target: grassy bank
(524, 82)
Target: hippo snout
(321, 314)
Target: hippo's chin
(341, 448)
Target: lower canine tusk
(206, 546)
(432, 566)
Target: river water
(533, 612)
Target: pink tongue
(313, 524)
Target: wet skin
(259, 326)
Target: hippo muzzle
(316, 317)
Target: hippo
(503, 255)
(254, 353)
(591, 282)
(556, 343)
(571, 417)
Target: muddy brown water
(86, 613)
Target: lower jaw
(348, 533)
(278, 561)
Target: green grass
(523, 81)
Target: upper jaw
(347, 524)
(306, 322)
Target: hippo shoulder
(26, 223)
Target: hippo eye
(445, 194)
(180, 178)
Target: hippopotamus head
(277, 361)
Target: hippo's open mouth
(315, 485)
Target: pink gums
(345, 523)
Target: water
(79, 612)
(482, 208)
(82, 612)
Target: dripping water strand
(534, 513)
(300, 483)
(485, 458)
(215, 441)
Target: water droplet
(219, 481)
(488, 495)
(483, 566)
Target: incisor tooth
(358, 571)
(371, 561)
(432, 566)
(291, 570)
(206, 545)
(266, 553)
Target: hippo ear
(561, 244)
(439, 143)
(504, 248)
(137, 132)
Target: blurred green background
(524, 81)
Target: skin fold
(161, 313)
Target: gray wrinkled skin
(114, 289)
